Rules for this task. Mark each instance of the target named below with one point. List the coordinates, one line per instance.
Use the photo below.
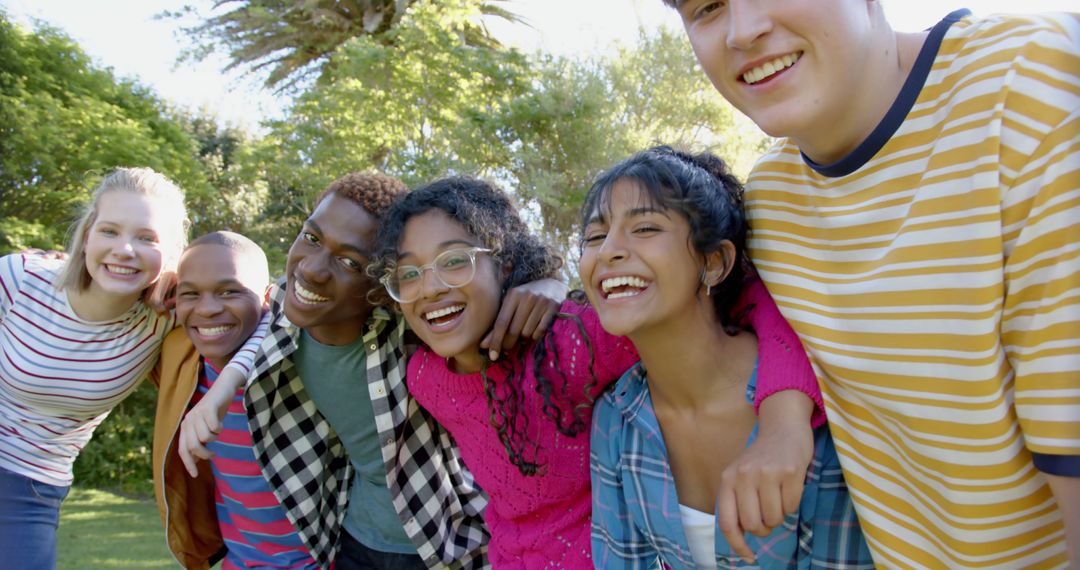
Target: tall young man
(919, 225)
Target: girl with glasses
(448, 253)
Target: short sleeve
(1040, 328)
(12, 270)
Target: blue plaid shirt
(636, 521)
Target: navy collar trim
(892, 120)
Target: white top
(700, 529)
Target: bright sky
(124, 35)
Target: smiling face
(124, 246)
(452, 321)
(803, 69)
(636, 264)
(327, 286)
(219, 299)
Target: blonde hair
(151, 184)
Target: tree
(63, 123)
(582, 116)
(425, 104)
(294, 39)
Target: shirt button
(379, 391)
(372, 346)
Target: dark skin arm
(526, 313)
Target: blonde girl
(76, 337)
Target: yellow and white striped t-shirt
(934, 277)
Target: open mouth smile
(214, 331)
(307, 297)
(621, 287)
(770, 68)
(443, 316)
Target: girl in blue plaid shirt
(663, 260)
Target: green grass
(102, 530)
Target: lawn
(102, 530)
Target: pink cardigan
(543, 521)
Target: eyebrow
(221, 282)
(632, 213)
(107, 222)
(443, 246)
(359, 250)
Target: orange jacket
(186, 505)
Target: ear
(719, 263)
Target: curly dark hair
(701, 189)
(373, 191)
(487, 213)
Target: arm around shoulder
(782, 361)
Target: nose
(123, 248)
(315, 267)
(747, 21)
(208, 305)
(613, 249)
(430, 284)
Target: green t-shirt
(336, 379)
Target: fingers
(728, 516)
(540, 319)
(506, 331)
(771, 511)
(522, 315)
(196, 430)
(791, 493)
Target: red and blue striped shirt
(253, 523)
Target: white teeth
(307, 297)
(623, 294)
(443, 312)
(769, 68)
(609, 284)
(213, 331)
(120, 270)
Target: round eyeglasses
(453, 268)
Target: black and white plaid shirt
(307, 467)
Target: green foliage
(17, 235)
(63, 123)
(118, 456)
(582, 116)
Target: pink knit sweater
(542, 521)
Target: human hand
(764, 483)
(202, 424)
(527, 311)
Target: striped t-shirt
(60, 375)
(934, 276)
(253, 523)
